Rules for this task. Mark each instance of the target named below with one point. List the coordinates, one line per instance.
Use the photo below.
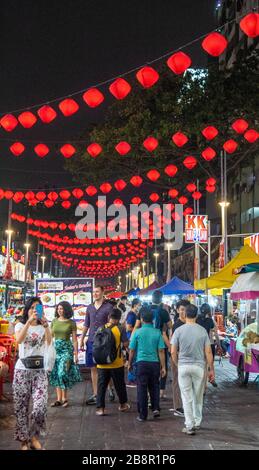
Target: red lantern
(41, 150)
(8, 122)
(53, 196)
(8, 194)
(18, 197)
(47, 114)
(154, 197)
(136, 200)
(41, 196)
(214, 44)
(27, 119)
(77, 193)
(210, 132)
(120, 185)
(173, 193)
(67, 150)
(251, 136)
(153, 175)
(196, 195)
(190, 162)
(208, 154)
(93, 97)
(68, 107)
(183, 200)
(211, 182)
(66, 204)
(240, 126)
(49, 203)
(230, 146)
(147, 77)
(105, 188)
(136, 180)
(210, 189)
(179, 139)
(188, 211)
(91, 190)
(150, 143)
(17, 148)
(62, 226)
(171, 170)
(123, 148)
(94, 149)
(118, 202)
(100, 203)
(29, 195)
(2, 194)
(179, 62)
(250, 25)
(191, 187)
(65, 194)
(53, 225)
(120, 88)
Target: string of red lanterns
(213, 44)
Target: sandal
(100, 412)
(56, 403)
(126, 407)
(64, 404)
(25, 446)
(36, 446)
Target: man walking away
(177, 401)
(130, 324)
(147, 342)
(111, 344)
(122, 305)
(96, 316)
(162, 320)
(190, 351)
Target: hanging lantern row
(123, 148)
(214, 44)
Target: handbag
(33, 362)
(49, 357)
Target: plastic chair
(11, 347)
(3, 352)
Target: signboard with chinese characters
(196, 229)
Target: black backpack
(104, 346)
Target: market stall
(244, 351)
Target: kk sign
(196, 229)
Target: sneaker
(131, 384)
(111, 395)
(179, 412)
(91, 400)
(156, 413)
(196, 428)
(190, 432)
(140, 420)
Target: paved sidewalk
(231, 415)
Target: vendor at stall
(231, 332)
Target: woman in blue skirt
(66, 371)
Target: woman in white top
(30, 378)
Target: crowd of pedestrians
(125, 346)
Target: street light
(9, 237)
(224, 205)
(43, 258)
(27, 247)
(156, 255)
(168, 246)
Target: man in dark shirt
(177, 400)
(96, 316)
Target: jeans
(148, 374)
(191, 383)
(104, 377)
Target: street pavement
(231, 416)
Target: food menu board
(77, 291)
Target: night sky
(50, 49)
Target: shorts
(89, 360)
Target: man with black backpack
(107, 354)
